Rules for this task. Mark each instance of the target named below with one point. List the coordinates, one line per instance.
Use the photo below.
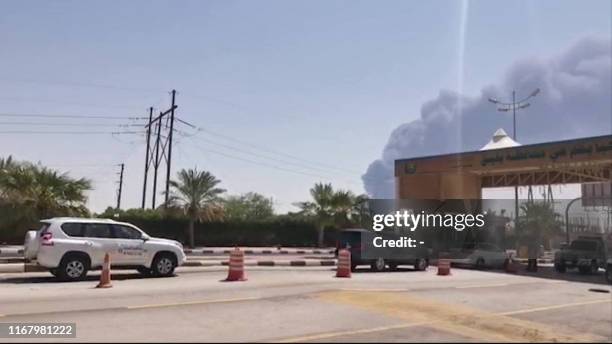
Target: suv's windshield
(585, 245)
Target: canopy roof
(500, 140)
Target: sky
(284, 93)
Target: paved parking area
(310, 305)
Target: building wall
(438, 186)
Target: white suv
(69, 247)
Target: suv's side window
(98, 230)
(72, 229)
(125, 232)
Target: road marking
(504, 284)
(539, 309)
(382, 290)
(483, 285)
(459, 319)
(201, 302)
(347, 333)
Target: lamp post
(567, 226)
(514, 106)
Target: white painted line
(201, 302)
(282, 263)
(483, 285)
(375, 290)
(347, 333)
(540, 309)
(504, 284)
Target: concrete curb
(11, 252)
(20, 267)
(258, 251)
(540, 261)
(265, 263)
(10, 260)
(12, 268)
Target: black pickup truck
(587, 254)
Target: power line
(82, 84)
(70, 116)
(285, 162)
(62, 102)
(291, 156)
(70, 132)
(264, 156)
(260, 163)
(55, 124)
(328, 169)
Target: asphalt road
(310, 305)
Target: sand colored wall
(438, 186)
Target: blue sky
(325, 81)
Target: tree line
(30, 192)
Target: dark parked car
(359, 242)
(588, 254)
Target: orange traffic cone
(444, 267)
(105, 277)
(236, 266)
(344, 264)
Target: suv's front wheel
(73, 267)
(164, 265)
(421, 264)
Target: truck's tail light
(47, 239)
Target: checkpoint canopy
(504, 163)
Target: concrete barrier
(296, 263)
(258, 251)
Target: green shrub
(275, 231)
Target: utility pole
(120, 186)
(160, 150)
(146, 169)
(504, 107)
(169, 162)
(156, 162)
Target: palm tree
(196, 193)
(45, 191)
(331, 208)
(539, 222)
(33, 192)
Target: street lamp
(514, 105)
(505, 107)
(567, 225)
